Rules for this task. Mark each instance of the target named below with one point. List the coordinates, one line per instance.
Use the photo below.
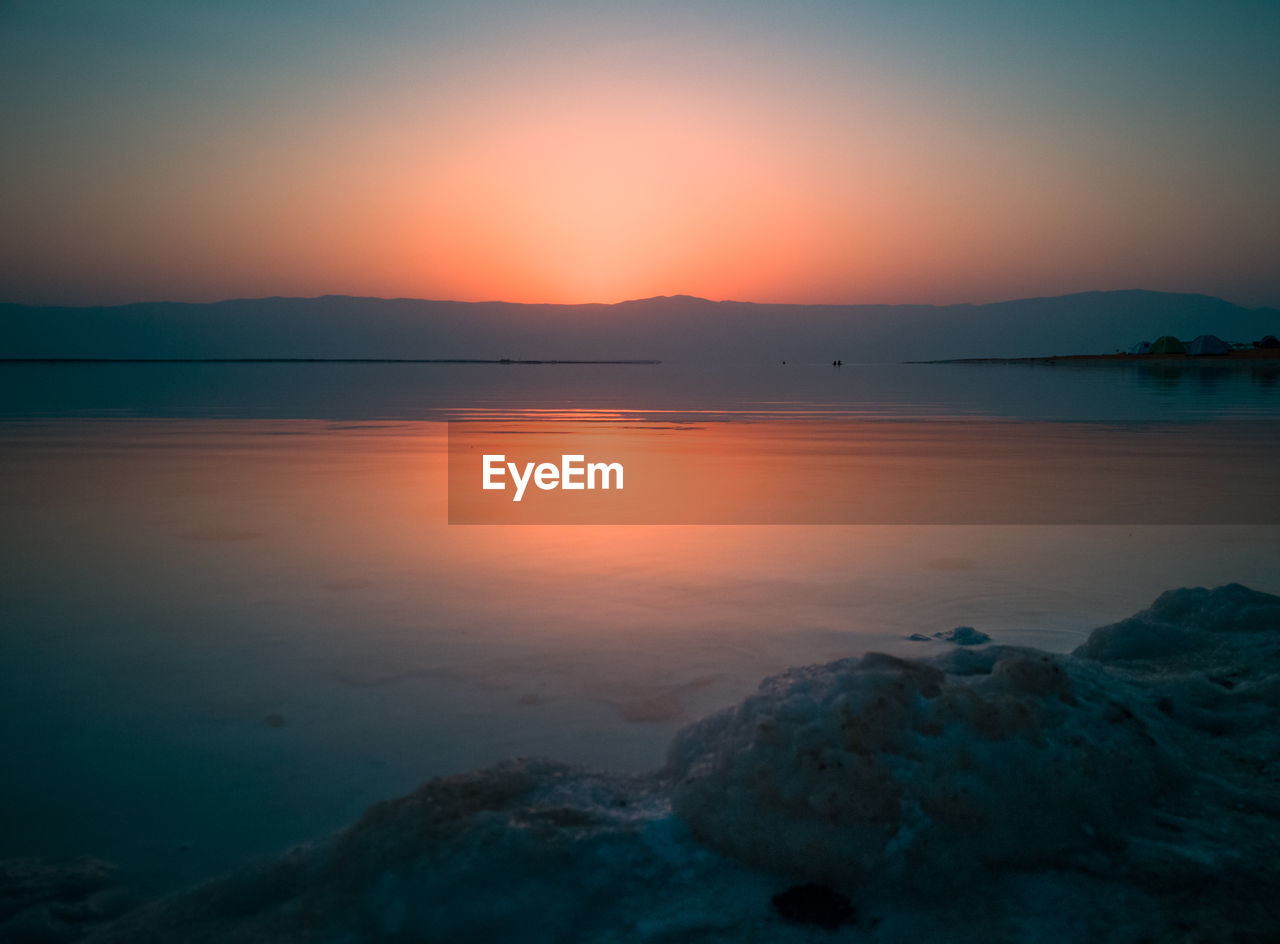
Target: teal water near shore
(235, 616)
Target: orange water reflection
(848, 471)
(169, 584)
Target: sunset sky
(814, 151)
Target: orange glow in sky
(598, 152)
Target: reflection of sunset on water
(305, 570)
(810, 470)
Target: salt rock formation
(920, 771)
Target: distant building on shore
(1208, 344)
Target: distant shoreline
(308, 360)
(1235, 358)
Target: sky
(564, 151)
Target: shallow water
(237, 618)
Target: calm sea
(235, 614)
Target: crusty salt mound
(1150, 754)
(923, 770)
(1127, 791)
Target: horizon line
(514, 361)
(651, 298)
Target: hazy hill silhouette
(678, 329)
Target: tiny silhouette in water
(837, 363)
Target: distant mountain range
(679, 329)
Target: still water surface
(237, 616)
